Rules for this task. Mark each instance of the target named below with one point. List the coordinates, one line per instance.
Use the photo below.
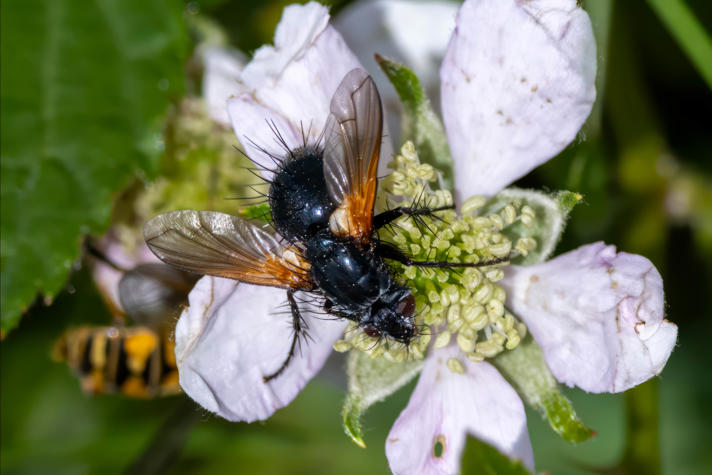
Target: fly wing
(221, 245)
(351, 149)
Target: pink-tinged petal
(222, 67)
(394, 29)
(517, 84)
(290, 83)
(446, 406)
(598, 316)
(232, 335)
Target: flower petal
(291, 83)
(222, 68)
(517, 84)
(230, 337)
(445, 406)
(394, 29)
(597, 315)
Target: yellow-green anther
(527, 215)
(453, 313)
(512, 339)
(475, 357)
(496, 221)
(453, 253)
(342, 346)
(441, 276)
(455, 325)
(507, 323)
(488, 348)
(425, 172)
(426, 241)
(499, 293)
(443, 198)
(484, 292)
(424, 340)
(468, 333)
(481, 222)
(524, 245)
(441, 244)
(455, 366)
(460, 226)
(447, 234)
(498, 338)
(442, 340)
(509, 214)
(494, 274)
(433, 294)
(400, 239)
(481, 320)
(466, 344)
(452, 293)
(472, 204)
(471, 312)
(501, 249)
(495, 309)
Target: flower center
(464, 304)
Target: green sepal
(552, 211)
(524, 367)
(371, 380)
(420, 123)
(260, 212)
(481, 458)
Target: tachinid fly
(321, 200)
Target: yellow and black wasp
(135, 360)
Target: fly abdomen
(349, 277)
(298, 198)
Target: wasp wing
(221, 245)
(151, 293)
(351, 149)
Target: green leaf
(689, 33)
(525, 368)
(420, 123)
(551, 210)
(372, 380)
(481, 458)
(84, 86)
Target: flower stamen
(464, 303)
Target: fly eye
(406, 306)
(372, 332)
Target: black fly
(321, 199)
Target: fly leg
(387, 251)
(299, 326)
(386, 217)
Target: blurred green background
(85, 89)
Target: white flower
(517, 84)
(394, 29)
